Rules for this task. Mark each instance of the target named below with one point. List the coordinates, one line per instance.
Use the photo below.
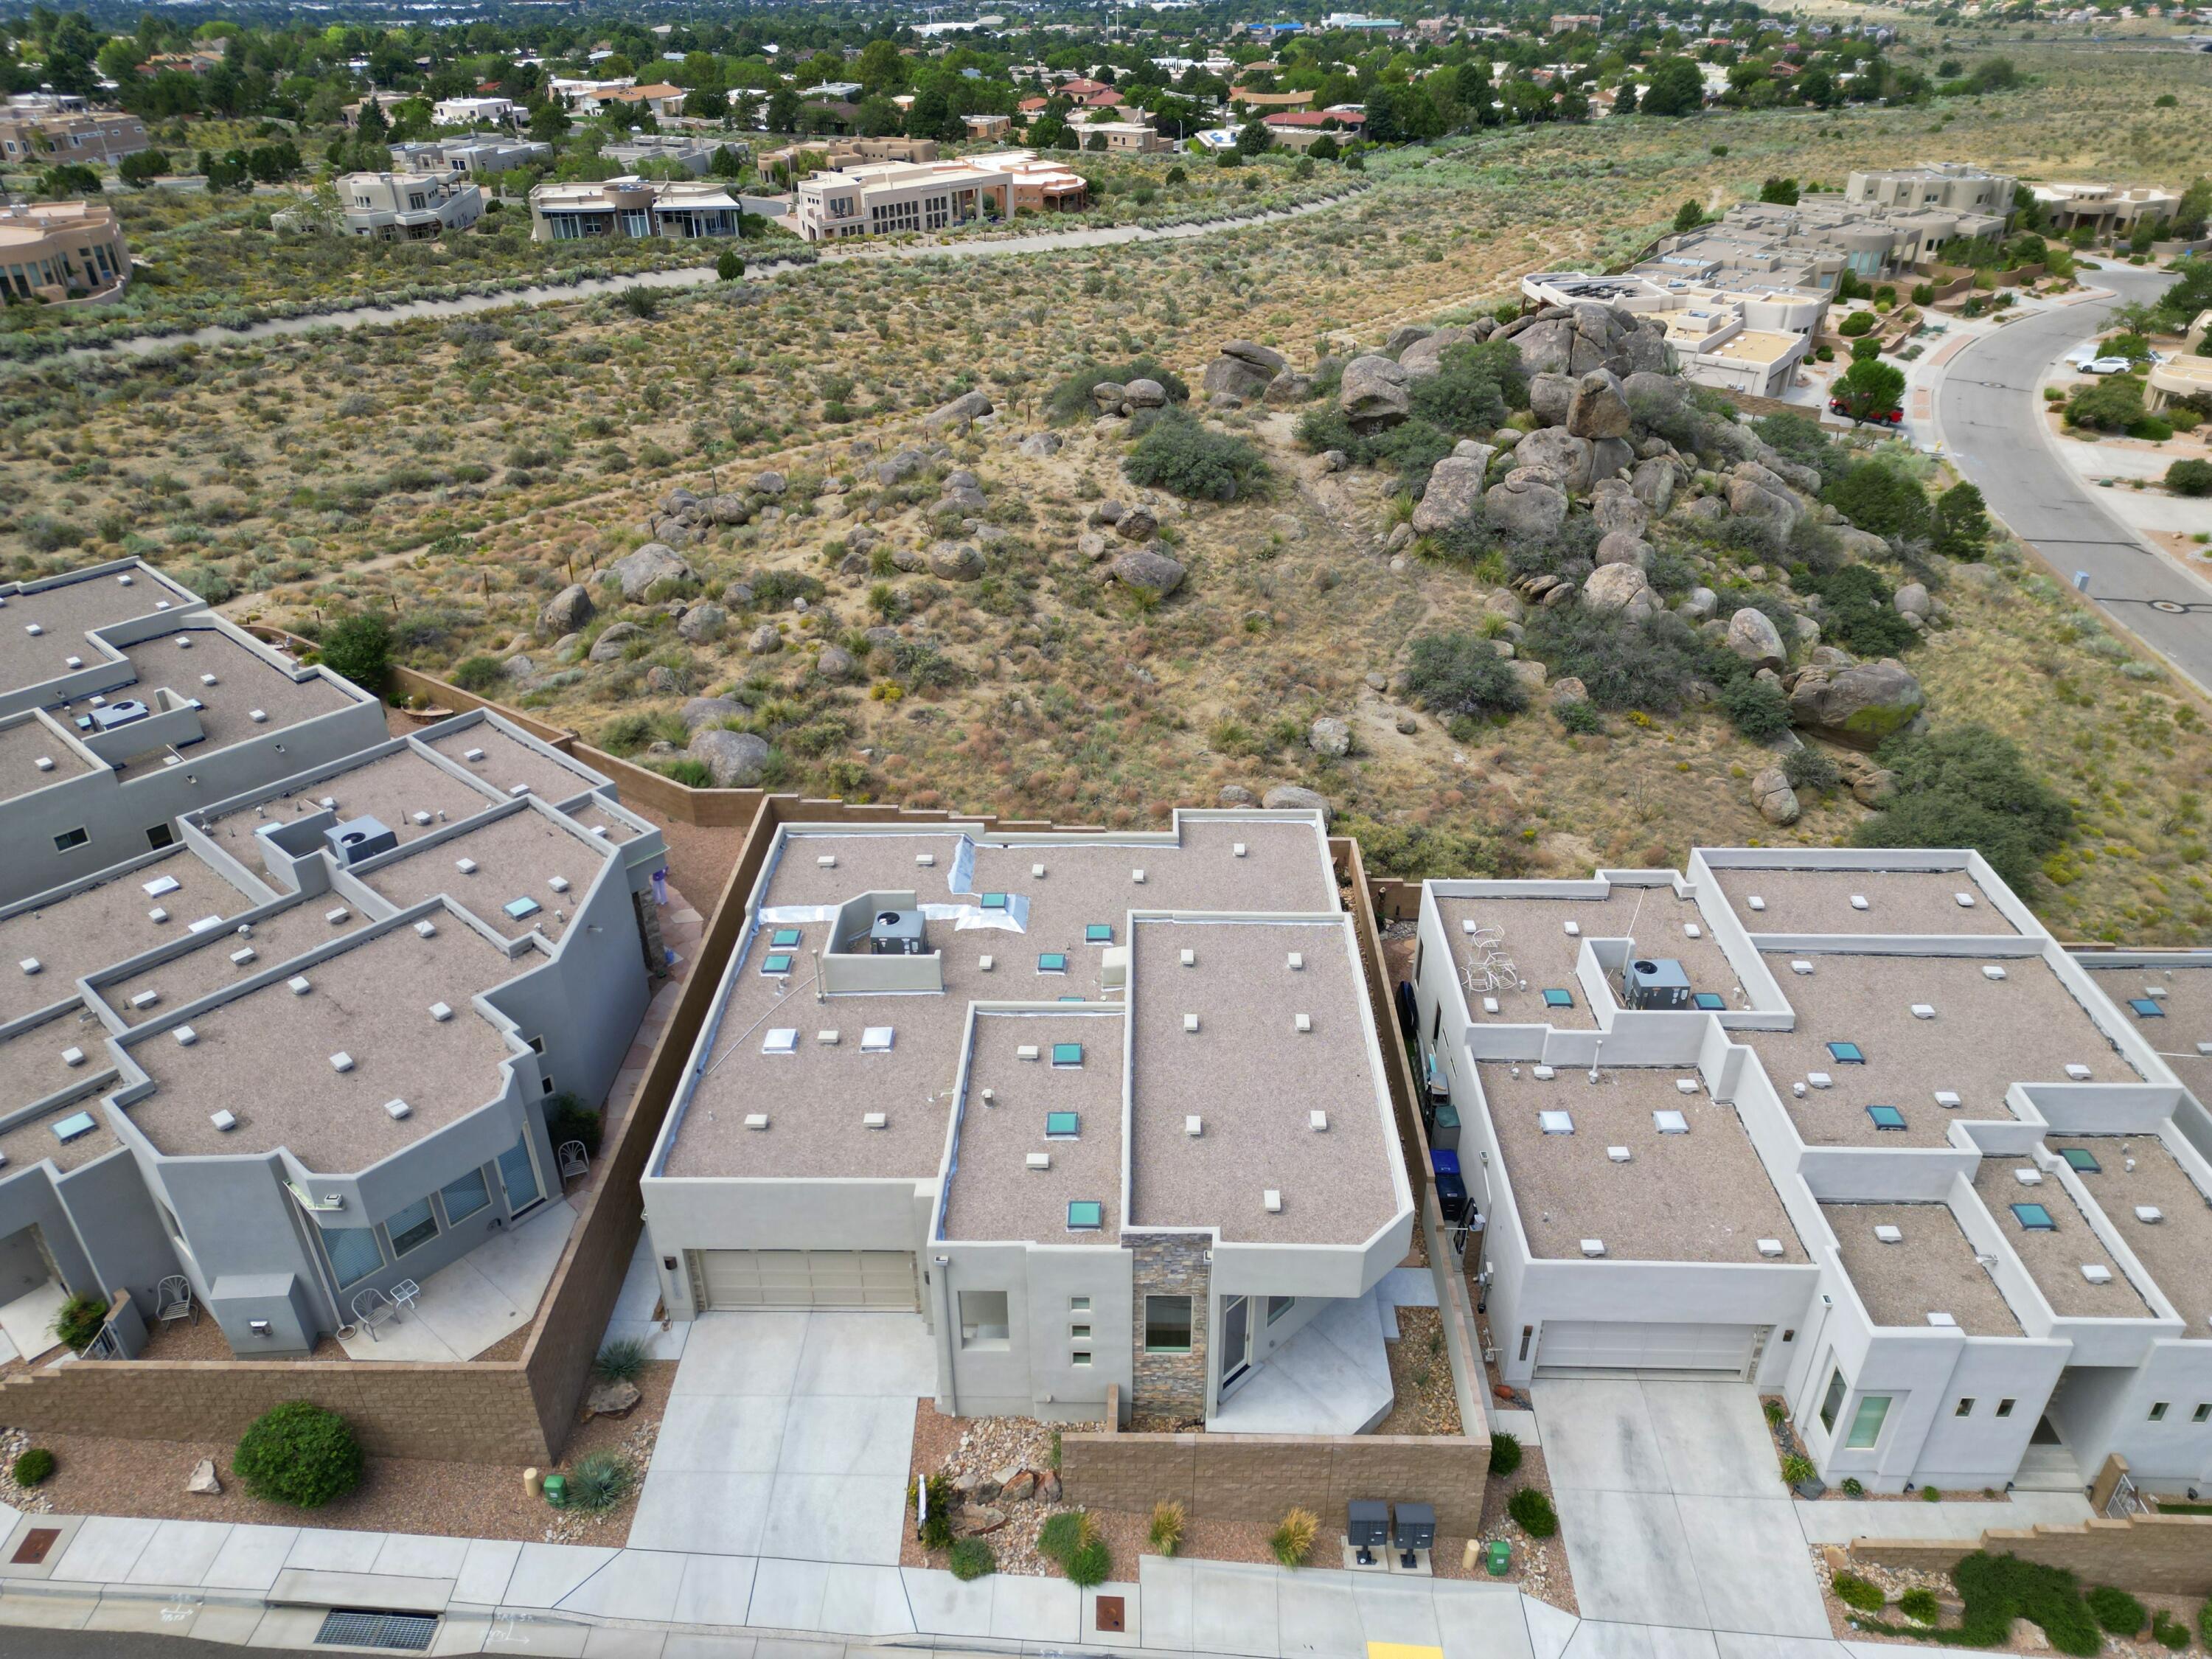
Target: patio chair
(372, 1308)
(172, 1300)
(572, 1159)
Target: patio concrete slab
(693, 1645)
(486, 1567)
(250, 1559)
(865, 1600)
(716, 1589)
(320, 1550)
(546, 1573)
(468, 1305)
(27, 1322)
(1399, 1611)
(613, 1641)
(845, 1434)
(1713, 1439)
(1035, 1609)
(1838, 1522)
(640, 1294)
(1332, 1377)
(1630, 1561)
(1601, 1639)
(741, 1353)
(944, 1606)
(180, 1553)
(1598, 1434)
(715, 1514)
(105, 1550)
(876, 1354)
(1752, 1567)
(787, 1595)
(636, 1585)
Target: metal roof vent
(1889, 1235)
(828, 1038)
(145, 998)
(1670, 1123)
(1770, 1246)
(1992, 971)
(1040, 1160)
(1238, 847)
(1302, 1022)
(984, 964)
(186, 1036)
(157, 914)
(2079, 1072)
(298, 985)
(783, 1040)
(875, 1120)
(1137, 876)
(466, 866)
(396, 1109)
(1193, 1126)
(827, 861)
(1923, 1011)
(1027, 1051)
(1685, 1085)
(1592, 1247)
(473, 755)
(337, 914)
(2096, 1273)
(1189, 958)
(1756, 902)
(1574, 930)
(225, 1121)
(876, 1040)
(1618, 1154)
(1271, 1201)
(341, 1061)
(1800, 966)
(1819, 1080)
(31, 965)
(1543, 1073)
(1190, 1022)
(757, 1120)
(2149, 1214)
(241, 957)
(1943, 1321)
(1946, 1096)
(1318, 1121)
(1037, 871)
(1556, 1124)
(1965, 900)
(440, 1011)
(1297, 961)
(2028, 1177)
(1859, 901)
(427, 928)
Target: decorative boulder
(1621, 587)
(204, 1482)
(733, 759)
(1598, 409)
(1526, 506)
(1566, 456)
(1040, 446)
(967, 407)
(1624, 547)
(1753, 637)
(612, 1399)
(1776, 801)
(1138, 523)
(1296, 798)
(1546, 345)
(567, 612)
(1143, 394)
(709, 711)
(1454, 496)
(1328, 735)
(1912, 600)
(1614, 507)
(1147, 569)
(1653, 483)
(655, 561)
(1373, 394)
(1857, 706)
(765, 641)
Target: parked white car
(2108, 366)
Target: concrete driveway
(787, 1436)
(1672, 1508)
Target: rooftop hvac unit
(124, 711)
(896, 933)
(356, 839)
(1657, 983)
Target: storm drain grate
(401, 1632)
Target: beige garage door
(802, 1279)
(1569, 1345)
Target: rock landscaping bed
(1905, 1607)
(1539, 1565)
(1005, 1472)
(98, 1476)
(1420, 1376)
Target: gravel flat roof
(31, 1067)
(1535, 941)
(24, 742)
(508, 761)
(266, 1055)
(107, 922)
(1930, 1269)
(609, 827)
(1253, 1080)
(1987, 1034)
(994, 1194)
(519, 855)
(1898, 901)
(2187, 1021)
(1703, 1195)
(65, 613)
(812, 1095)
(208, 967)
(2177, 1248)
(245, 681)
(391, 789)
(2055, 1259)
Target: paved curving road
(1990, 414)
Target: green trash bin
(1499, 1556)
(556, 1491)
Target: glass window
(1079, 1332)
(1710, 1001)
(2004, 1407)
(1079, 1304)
(983, 1319)
(1846, 1053)
(1167, 1324)
(1052, 961)
(465, 1197)
(412, 1227)
(1080, 1357)
(1279, 1305)
(776, 962)
(2034, 1217)
(1886, 1117)
(2146, 1008)
(1085, 1215)
(353, 1252)
(2202, 1413)
(1098, 932)
(519, 1176)
(1556, 998)
(1062, 1126)
(70, 840)
(1964, 1408)
(784, 939)
(1866, 1422)
(1067, 1053)
(2158, 1411)
(2081, 1158)
(1833, 1401)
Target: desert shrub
(2117, 1611)
(1187, 457)
(1621, 663)
(1069, 400)
(1534, 1511)
(2167, 1630)
(1796, 1468)
(1396, 847)
(774, 589)
(1854, 1591)
(1460, 674)
(1061, 1535)
(620, 1359)
(1164, 1534)
(1476, 386)
(1878, 496)
(570, 1118)
(1862, 614)
(478, 674)
(359, 646)
(1091, 1565)
(2190, 477)
(79, 1321)
(1853, 1486)
(1581, 718)
(1755, 707)
(1293, 1541)
(205, 580)
(1774, 1411)
(691, 774)
(1919, 1605)
(1962, 523)
(1799, 438)
(2111, 405)
(32, 1467)
(937, 1522)
(600, 1479)
(1505, 1452)
(1999, 1588)
(299, 1453)
(1858, 323)
(971, 1558)
(1809, 769)
(1967, 787)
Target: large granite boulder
(1550, 397)
(1614, 506)
(1328, 735)
(1424, 356)
(613, 643)
(1753, 636)
(567, 612)
(967, 407)
(1776, 801)
(734, 760)
(709, 711)
(1622, 588)
(1860, 544)
(1374, 393)
(1242, 370)
(1857, 705)
(1566, 457)
(1751, 499)
(1598, 409)
(1653, 482)
(1296, 798)
(954, 561)
(1624, 547)
(1147, 569)
(1454, 496)
(1525, 505)
(655, 561)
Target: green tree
(729, 265)
(1967, 787)
(70, 179)
(1781, 191)
(1677, 87)
(1458, 674)
(1962, 523)
(783, 111)
(1254, 138)
(1688, 216)
(299, 1453)
(359, 646)
(142, 167)
(1869, 389)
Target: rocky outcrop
(1525, 504)
(1453, 497)
(1653, 483)
(1556, 450)
(967, 408)
(1550, 397)
(1598, 409)
(1374, 393)
(1147, 569)
(1776, 801)
(1857, 705)
(1753, 636)
(954, 561)
(567, 612)
(1328, 735)
(655, 561)
(1296, 798)
(1622, 588)
(702, 624)
(734, 760)
(1424, 356)
(1242, 370)
(709, 711)
(1614, 507)
(613, 642)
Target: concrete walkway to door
(787, 1440)
(1672, 1508)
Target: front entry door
(1236, 1342)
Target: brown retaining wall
(1255, 1478)
(2157, 1554)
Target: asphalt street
(1989, 413)
(24, 1642)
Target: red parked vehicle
(1894, 417)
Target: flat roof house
(1109, 1110)
(298, 1051)
(33, 136)
(1849, 1126)
(474, 112)
(61, 251)
(630, 207)
(1727, 331)
(407, 207)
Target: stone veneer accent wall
(1168, 1264)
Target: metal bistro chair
(572, 1159)
(372, 1308)
(172, 1300)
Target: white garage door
(802, 1279)
(1575, 1345)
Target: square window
(412, 1227)
(1052, 961)
(1080, 1357)
(1558, 999)
(876, 1039)
(353, 1252)
(1964, 1408)
(1098, 932)
(2034, 1217)
(1067, 1053)
(1279, 1305)
(1085, 1215)
(2004, 1407)
(1886, 1117)
(776, 962)
(2158, 1411)
(1167, 1324)
(70, 840)
(1062, 1126)
(983, 1319)
(2146, 1008)
(1846, 1053)
(465, 1197)
(1711, 1001)
(2082, 1159)
(994, 901)
(784, 939)
(521, 908)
